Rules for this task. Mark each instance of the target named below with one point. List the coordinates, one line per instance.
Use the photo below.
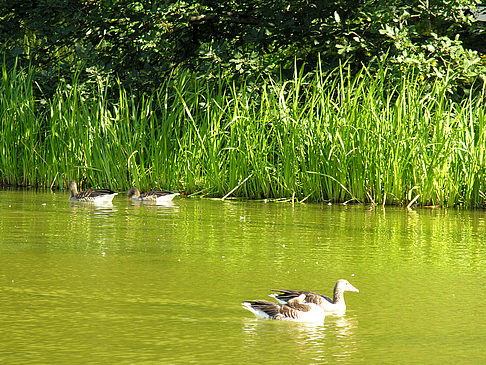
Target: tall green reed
(316, 137)
(19, 127)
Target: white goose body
(101, 196)
(295, 310)
(335, 305)
(158, 197)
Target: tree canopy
(142, 41)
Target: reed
(317, 137)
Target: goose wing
(93, 193)
(156, 194)
(272, 310)
(284, 295)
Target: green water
(135, 283)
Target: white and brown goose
(296, 309)
(154, 196)
(334, 305)
(102, 196)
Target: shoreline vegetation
(317, 137)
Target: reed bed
(336, 138)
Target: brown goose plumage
(295, 310)
(336, 304)
(156, 196)
(90, 195)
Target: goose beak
(353, 289)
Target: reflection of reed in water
(91, 227)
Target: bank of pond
(337, 138)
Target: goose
(335, 305)
(91, 195)
(295, 310)
(158, 197)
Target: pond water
(132, 283)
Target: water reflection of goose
(158, 197)
(102, 196)
(335, 305)
(308, 340)
(344, 326)
(295, 310)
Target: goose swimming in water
(158, 197)
(335, 305)
(103, 196)
(295, 310)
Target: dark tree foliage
(141, 42)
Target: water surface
(132, 283)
